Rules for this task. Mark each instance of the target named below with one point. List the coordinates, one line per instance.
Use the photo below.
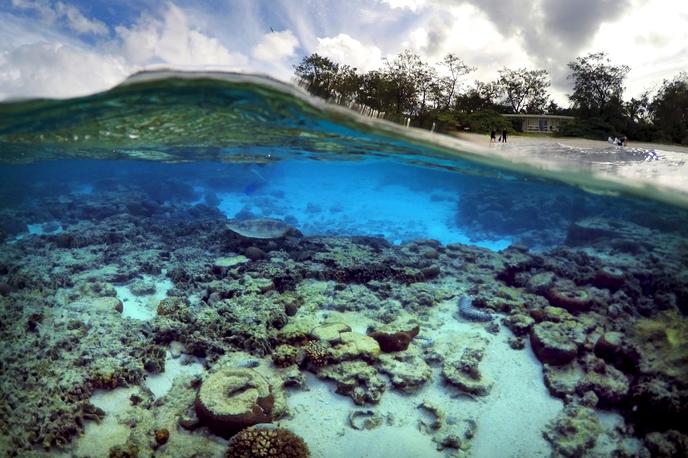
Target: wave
(174, 116)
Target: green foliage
(480, 121)
(408, 87)
(524, 90)
(670, 108)
(597, 85)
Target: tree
(448, 85)
(670, 109)
(524, 89)
(403, 74)
(318, 74)
(597, 85)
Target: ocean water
(191, 262)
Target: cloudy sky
(63, 48)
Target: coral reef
(604, 315)
(232, 399)
(267, 443)
(574, 431)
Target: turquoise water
(112, 203)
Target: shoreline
(484, 140)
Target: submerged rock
(573, 432)
(232, 399)
(461, 369)
(395, 336)
(553, 343)
(267, 443)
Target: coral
(356, 346)
(519, 323)
(667, 445)
(365, 419)
(232, 399)
(395, 336)
(614, 348)
(553, 342)
(316, 353)
(461, 368)
(565, 294)
(286, 355)
(608, 383)
(267, 443)
(355, 379)
(573, 432)
(161, 435)
(408, 372)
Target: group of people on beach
(502, 138)
(618, 141)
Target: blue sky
(64, 48)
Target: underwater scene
(195, 265)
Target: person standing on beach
(503, 137)
(493, 136)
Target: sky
(65, 48)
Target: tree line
(407, 87)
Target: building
(538, 123)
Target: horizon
(68, 48)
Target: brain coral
(267, 443)
(232, 399)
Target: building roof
(537, 116)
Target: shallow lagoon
(123, 283)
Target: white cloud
(347, 50)
(412, 5)
(57, 70)
(69, 15)
(172, 41)
(78, 22)
(275, 46)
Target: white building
(539, 123)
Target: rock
(552, 343)
(608, 383)
(330, 332)
(658, 403)
(565, 294)
(408, 372)
(286, 355)
(431, 253)
(365, 419)
(395, 337)
(573, 432)
(562, 381)
(609, 277)
(232, 399)
(519, 323)
(613, 348)
(267, 443)
(662, 342)
(668, 444)
(461, 369)
(98, 305)
(162, 436)
(356, 379)
(355, 346)
(540, 283)
(254, 253)
(142, 288)
(231, 261)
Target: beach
(575, 142)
